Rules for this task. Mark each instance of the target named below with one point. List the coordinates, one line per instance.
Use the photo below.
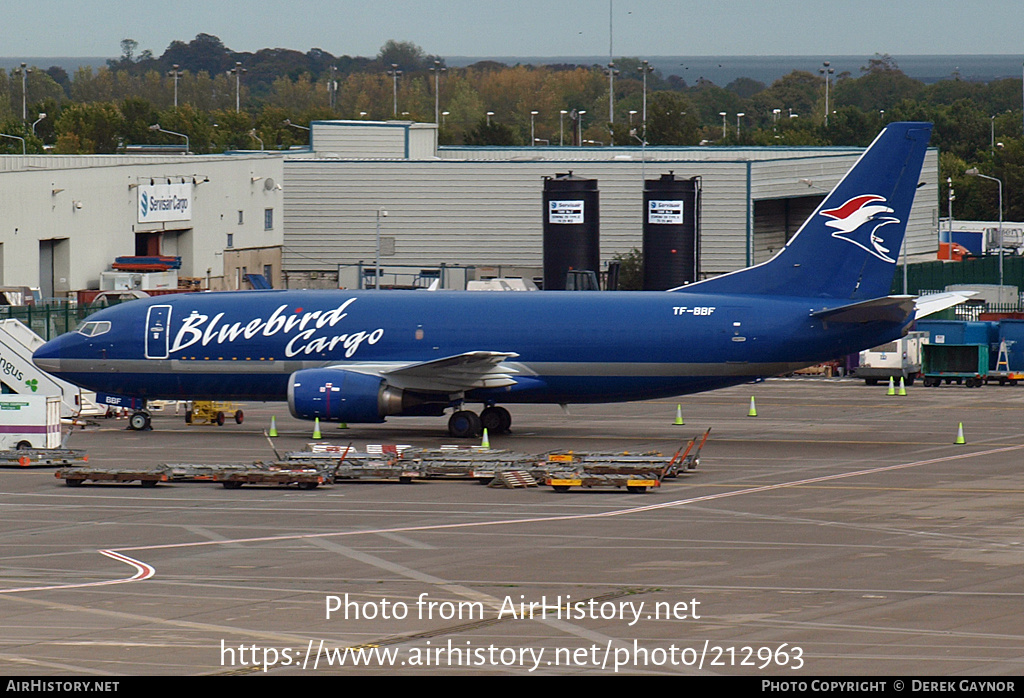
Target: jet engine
(338, 395)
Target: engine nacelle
(337, 395)
(340, 396)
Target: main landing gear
(466, 424)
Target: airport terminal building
(314, 218)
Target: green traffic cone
(892, 388)
(273, 427)
(486, 443)
(316, 429)
(679, 416)
(752, 412)
(903, 387)
(960, 435)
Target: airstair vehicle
(19, 375)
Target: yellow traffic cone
(679, 416)
(486, 442)
(960, 435)
(316, 429)
(273, 427)
(903, 387)
(892, 388)
(752, 412)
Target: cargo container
(29, 421)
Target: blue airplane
(362, 356)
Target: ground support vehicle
(210, 412)
(900, 358)
(962, 363)
(29, 421)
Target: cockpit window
(94, 328)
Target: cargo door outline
(158, 320)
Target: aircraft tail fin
(849, 246)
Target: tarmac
(840, 532)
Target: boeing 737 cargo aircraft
(362, 356)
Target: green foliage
(491, 134)
(631, 270)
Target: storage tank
(671, 217)
(572, 228)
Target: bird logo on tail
(858, 220)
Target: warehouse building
(481, 207)
(64, 220)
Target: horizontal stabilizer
(888, 309)
(934, 302)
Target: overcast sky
(523, 27)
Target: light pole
(827, 72)
(23, 71)
(238, 70)
(381, 213)
(489, 115)
(533, 115)
(42, 115)
(741, 114)
(395, 73)
(645, 69)
(973, 172)
(444, 117)
(332, 86)
(579, 127)
(612, 72)
(252, 134)
(7, 135)
(722, 114)
(437, 70)
(175, 73)
(632, 113)
(561, 126)
(156, 127)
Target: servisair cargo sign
(165, 202)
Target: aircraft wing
(888, 309)
(451, 374)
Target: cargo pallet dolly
(1003, 374)
(635, 473)
(209, 412)
(27, 457)
(74, 477)
(690, 458)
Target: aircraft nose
(48, 357)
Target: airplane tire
(138, 421)
(220, 419)
(464, 424)
(496, 420)
(239, 416)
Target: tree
(491, 134)
(407, 55)
(670, 120)
(95, 127)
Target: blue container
(1013, 332)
